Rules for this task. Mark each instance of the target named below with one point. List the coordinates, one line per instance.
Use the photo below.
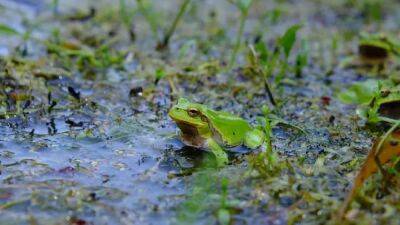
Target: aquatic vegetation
(86, 58)
(259, 70)
(208, 192)
(377, 100)
(146, 9)
(168, 34)
(285, 43)
(127, 13)
(264, 62)
(373, 10)
(267, 162)
(287, 40)
(6, 30)
(302, 59)
(243, 6)
(85, 136)
(55, 6)
(383, 151)
(360, 93)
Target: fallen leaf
(389, 149)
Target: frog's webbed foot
(254, 138)
(220, 154)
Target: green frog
(205, 128)
(385, 104)
(375, 51)
(375, 47)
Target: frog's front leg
(220, 154)
(254, 138)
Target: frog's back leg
(254, 138)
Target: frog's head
(188, 113)
(388, 103)
(376, 46)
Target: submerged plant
(208, 198)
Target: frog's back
(231, 128)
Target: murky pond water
(92, 143)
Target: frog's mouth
(390, 109)
(372, 52)
(190, 135)
(187, 128)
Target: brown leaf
(389, 149)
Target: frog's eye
(385, 93)
(193, 112)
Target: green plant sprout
(7, 30)
(165, 40)
(244, 6)
(145, 8)
(223, 214)
(285, 44)
(287, 40)
(55, 5)
(278, 58)
(373, 9)
(260, 70)
(301, 59)
(265, 62)
(126, 16)
(267, 161)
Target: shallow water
(112, 155)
